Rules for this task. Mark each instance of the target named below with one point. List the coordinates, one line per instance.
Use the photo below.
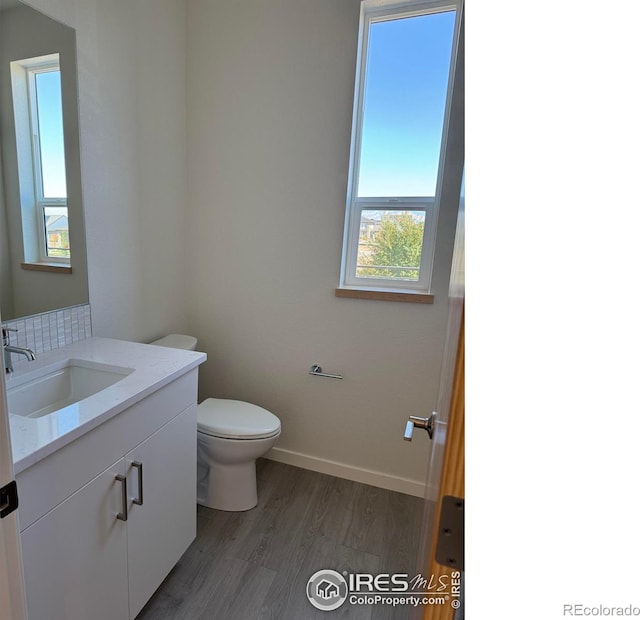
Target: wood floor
(255, 565)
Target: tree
(396, 245)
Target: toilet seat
(235, 419)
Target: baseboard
(349, 472)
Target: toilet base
(228, 487)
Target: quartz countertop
(33, 439)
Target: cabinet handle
(138, 466)
(124, 515)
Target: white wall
(249, 260)
(131, 74)
(269, 101)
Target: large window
(37, 98)
(400, 112)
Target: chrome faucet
(8, 349)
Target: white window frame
(373, 11)
(36, 239)
(41, 202)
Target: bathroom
(214, 145)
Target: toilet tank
(177, 341)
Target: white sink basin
(60, 386)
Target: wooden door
(451, 484)
(11, 585)
(446, 468)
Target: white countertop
(32, 439)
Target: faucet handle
(5, 334)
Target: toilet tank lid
(236, 419)
(177, 341)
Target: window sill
(50, 267)
(404, 296)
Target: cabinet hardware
(124, 515)
(138, 465)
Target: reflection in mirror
(43, 263)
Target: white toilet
(232, 434)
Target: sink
(64, 384)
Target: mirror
(43, 264)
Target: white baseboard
(349, 472)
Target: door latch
(8, 499)
(426, 423)
(450, 545)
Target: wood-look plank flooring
(255, 565)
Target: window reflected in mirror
(37, 104)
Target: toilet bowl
(232, 434)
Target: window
(400, 112)
(37, 99)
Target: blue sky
(51, 134)
(405, 93)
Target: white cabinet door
(75, 557)
(160, 530)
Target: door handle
(426, 423)
(138, 466)
(124, 515)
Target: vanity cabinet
(160, 530)
(82, 561)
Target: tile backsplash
(49, 330)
